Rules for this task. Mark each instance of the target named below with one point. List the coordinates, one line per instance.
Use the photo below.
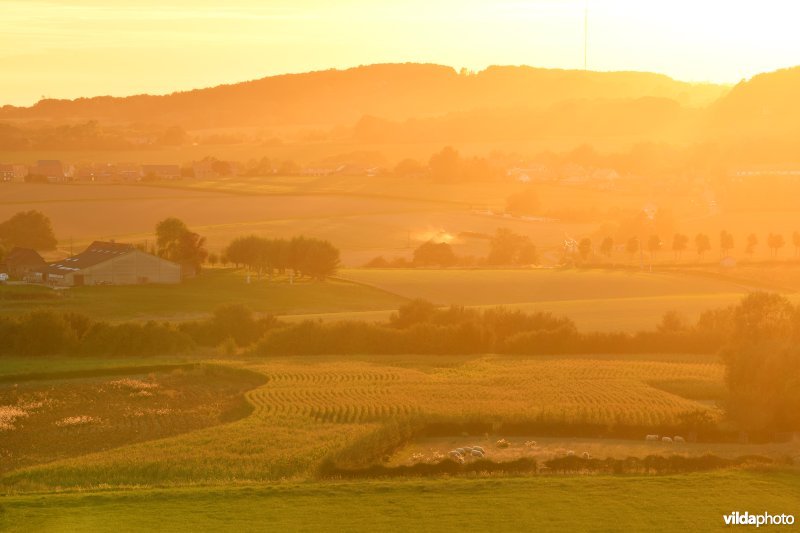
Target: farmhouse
(110, 263)
(20, 262)
(50, 169)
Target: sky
(68, 49)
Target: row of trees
(314, 258)
(681, 243)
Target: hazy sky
(92, 47)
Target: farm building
(20, 262)
(110, 263)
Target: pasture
(596, 299)
(199, 297)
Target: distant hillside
(392, 92)
(766, 105)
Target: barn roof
(24, 256)
(97, 252)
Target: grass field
(602, 300)
(199, 297)
(695, 502)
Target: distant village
(563, 173)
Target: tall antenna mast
(586, 36)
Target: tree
(679, 244)
(752, 242)
(725, 243)
(524, 202)
(585, 248)
(607, 246)
(653, 246)
(434, 254)
(763, 364)
(632, 246)
(175, 242)
(775, 242)
(509, 248)
(445, 165)
(314, 258)
(28, 229)
(702, 244)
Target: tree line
(305, 256)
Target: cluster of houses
(102, 263)
(55, 171)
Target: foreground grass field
(694, 502)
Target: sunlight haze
(68, 49)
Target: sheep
(476, 453)
(461, 450)
(503, 443)
(678, 438)
(479, 448)
(570, 453)
(454, 454)
(651, 437)
(666, 439)
(586, 455)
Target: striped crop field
(309, 409)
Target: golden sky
(67, 49)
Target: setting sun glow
(71, 48)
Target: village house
(21, 262)
(6, 172)
(109, 263)
(50, 169)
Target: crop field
(167, 445)
(199, 297)
(46, 420)
(310, 408)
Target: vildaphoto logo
(746, 519)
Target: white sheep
(479, 448)
(461, 450)
(570, 453)
(476, 453)
(586, 455)
(651, 437)
(666, 439)
(678, 438)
